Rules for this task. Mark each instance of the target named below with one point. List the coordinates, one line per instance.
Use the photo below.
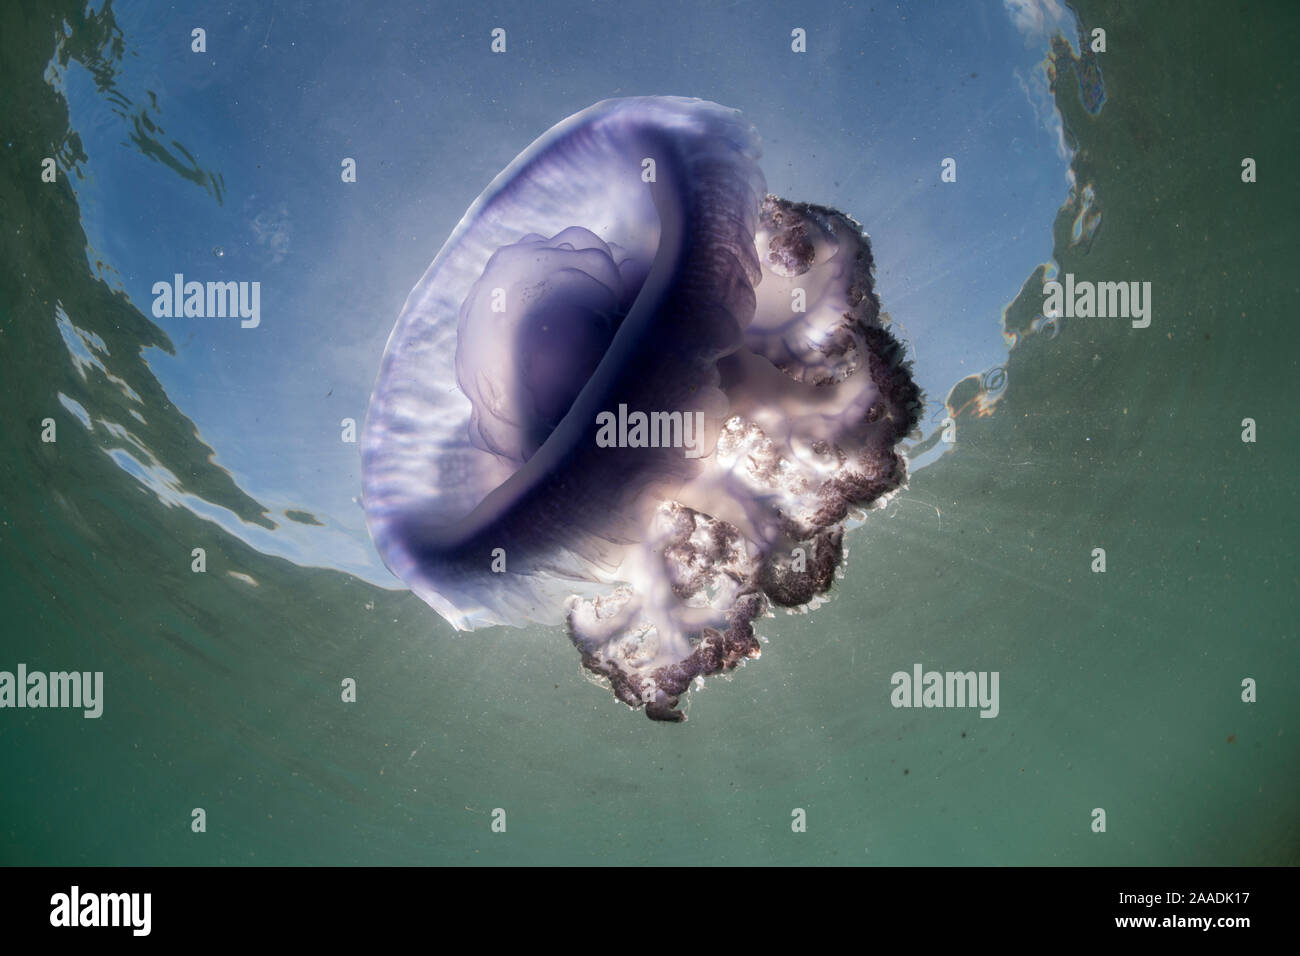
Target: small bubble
(218, 251)
(995, 379)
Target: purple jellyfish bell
(634, 395)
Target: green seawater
(1119, 690)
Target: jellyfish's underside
(629, 260)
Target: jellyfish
(636, 395)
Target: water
(222, 689)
